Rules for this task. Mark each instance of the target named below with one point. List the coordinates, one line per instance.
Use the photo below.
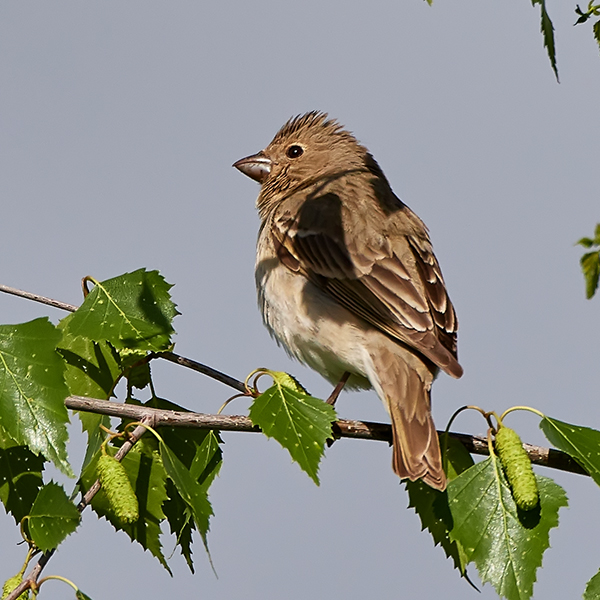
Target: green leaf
(590, 265)
(199, 452)
(457, 458)
(583, 17)
(91, 423)
(433, 510)
(204, 468)
(195, 497)
(590, 262)
(92, 370)
(547, 30)
(136, 367)
(586, 242)
(592, 589)
(33, 390)
(53, 517)
(181, 522)
(192, 493)
(148, 478)
(133, 311)
(193, 459)
(432, 505)
(582, 443)
(20, 480)
(506, 544)
(81, 596)
(207, 460)
(299, 422)
(5, 440)
(198, 449)
(596, 29)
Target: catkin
(517, 468)
(11, 584)
(117, 487)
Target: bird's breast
(309, 325)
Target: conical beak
(257, 166)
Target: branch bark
(547, 457)
(37, 298)
(343, 428)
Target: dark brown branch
(200, 368)
(365, 430)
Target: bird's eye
(294, 151)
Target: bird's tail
(405, 389)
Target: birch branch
(366, 430)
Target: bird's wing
(395, 286)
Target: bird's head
(307, 149)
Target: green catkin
(517, 468)
(11, 584)
(118, 490)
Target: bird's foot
(337, 389)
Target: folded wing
(399, 288)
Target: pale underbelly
(312, 327)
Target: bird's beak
(257, 166)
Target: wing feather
(399, 290)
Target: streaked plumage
(348, 282)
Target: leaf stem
(528, 408)
(59, 578)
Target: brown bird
(348, 283)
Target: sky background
(119, 122)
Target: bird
(348, 283)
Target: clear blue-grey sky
(119, 125)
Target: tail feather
(405, 390)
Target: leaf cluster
(110, 337)
(119, 328)
(590, 261)
(164, 477)
(593, 10)
(477, 520)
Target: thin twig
(365, 430)
(170, 356)
(200, 368)
(37, 298)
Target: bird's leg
(337, 389)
